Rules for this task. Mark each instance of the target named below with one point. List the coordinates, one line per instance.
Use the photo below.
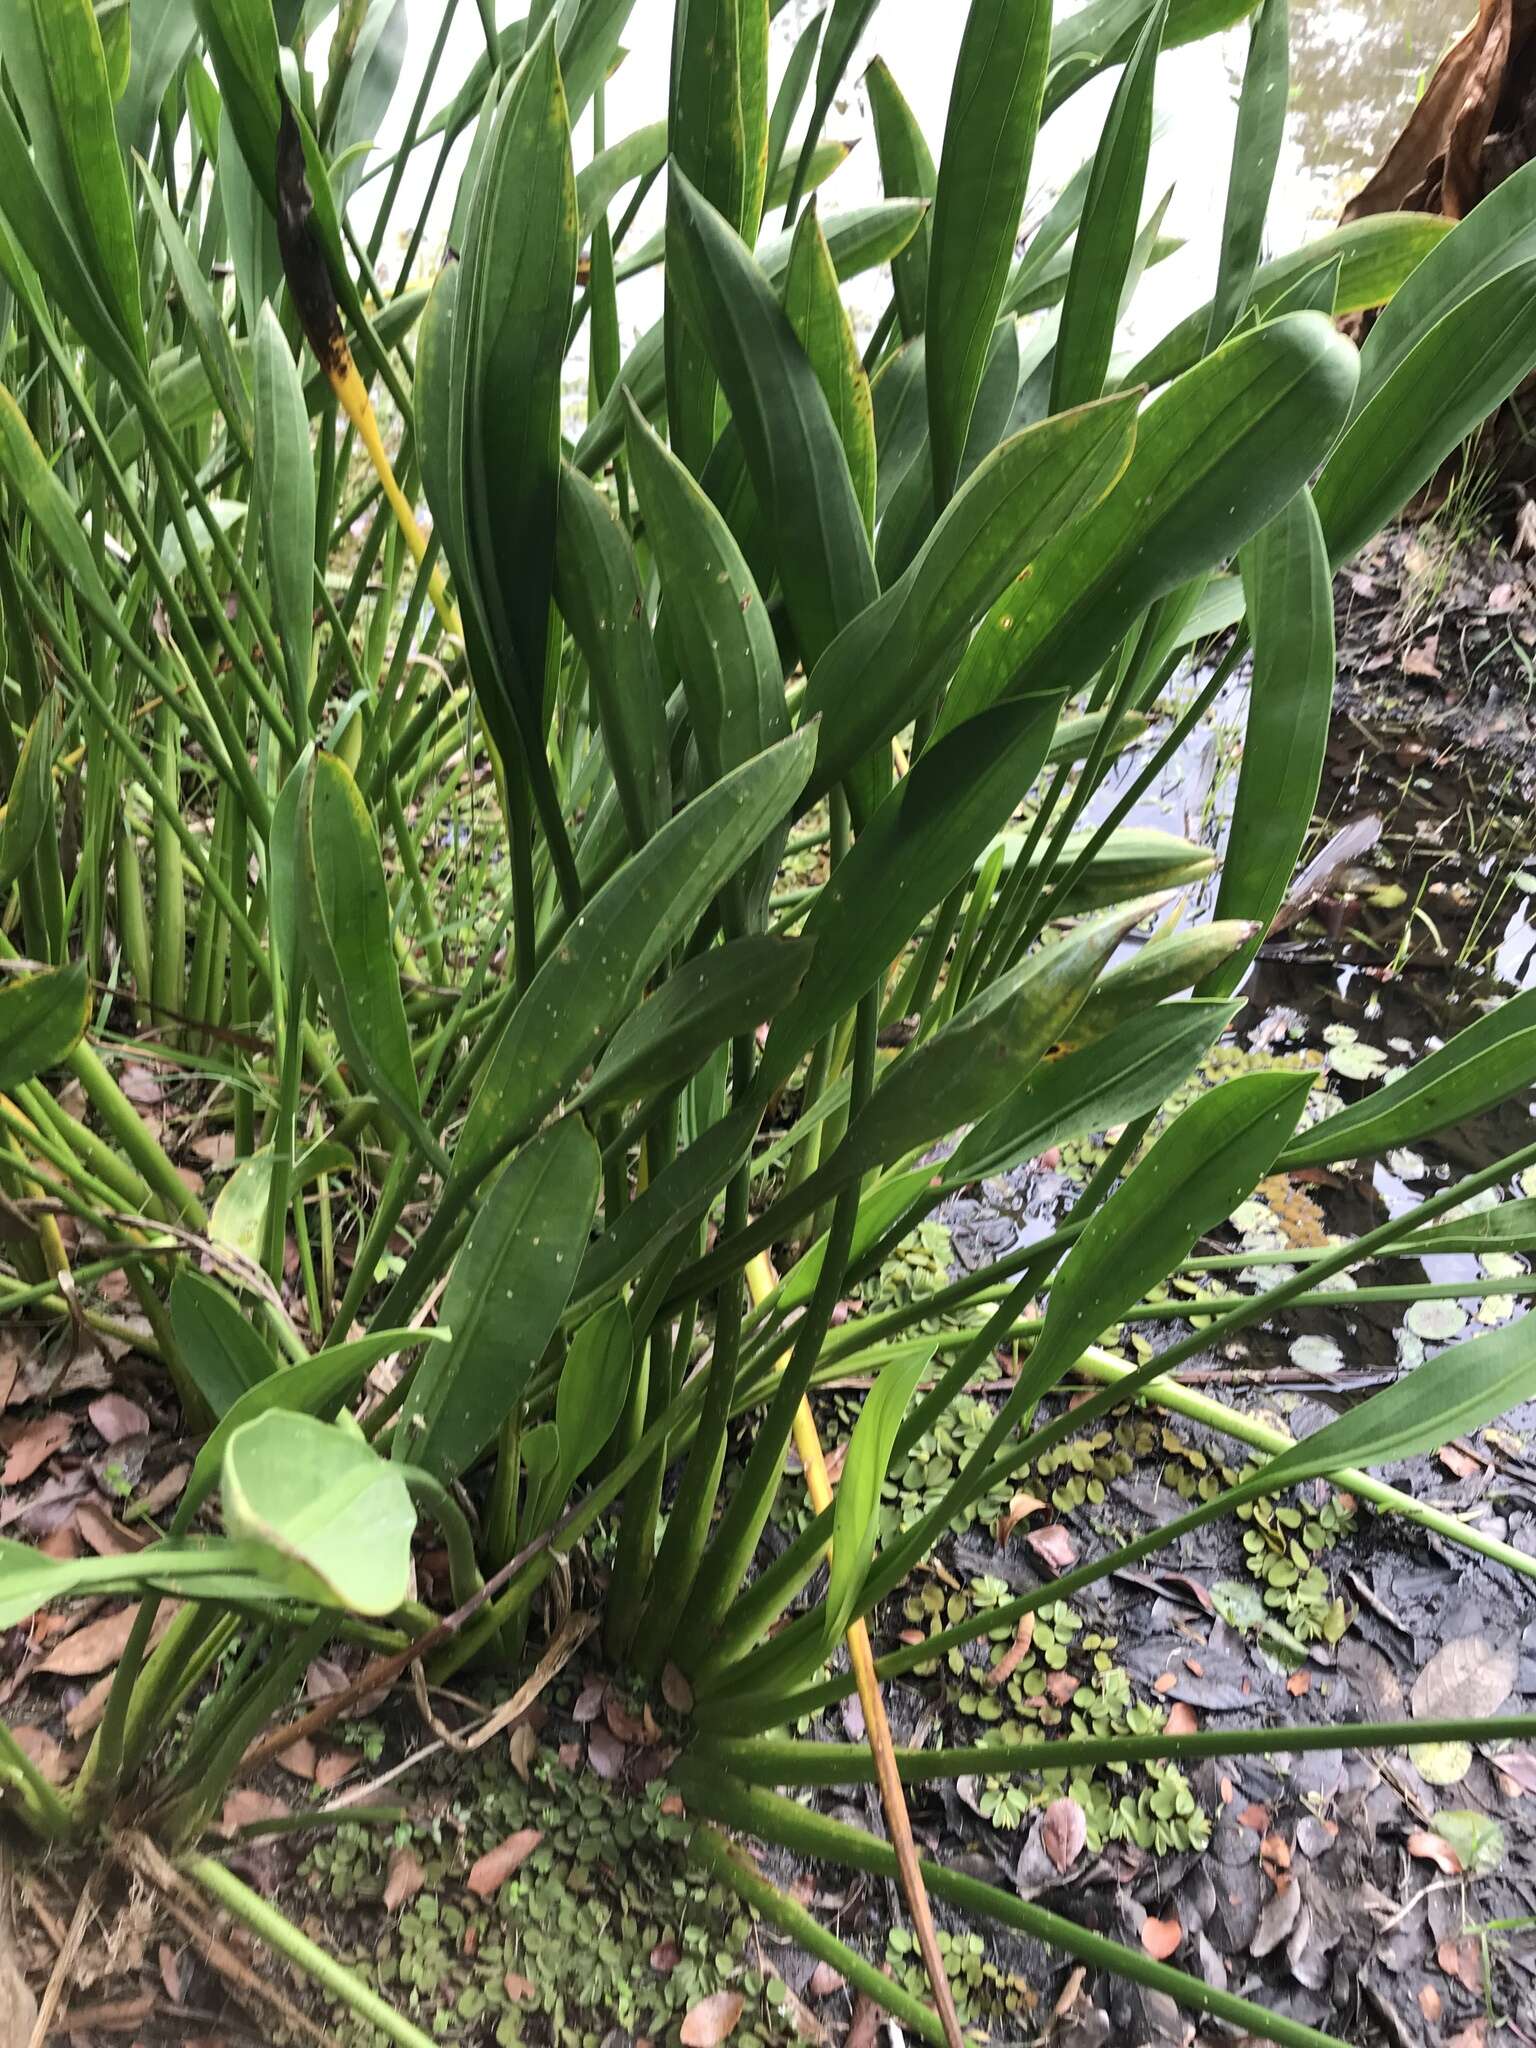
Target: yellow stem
(761, 1281)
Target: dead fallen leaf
(605, 1752)
(825, 1980)
(1518, 1766)
(31, 1445)
(1470, 1677)
(40, 1749)
(864, 2027)
(1474, 2036)
(1064, 1832)
(1275, 1854)
(518, 1988)
(334, 1766)
(712, 2020)
(403, 1880)
(1298, 1683)
(522, 1747)
(622, 1724)
(172, 1973)
(1019, 1509)
(1255, 1817)
(1014, 1655)
(92, 1648)
(1462, 1960)
(1053, 1546)
(1423, 660)
(491, 1871)
(114, 1416)
(1431, 2004)
(589, 1701)
(103, 1533)
(1432, 1848)
(1165, 1681)
(298, 1759)
(1182, 1719)
(1161, 1937)
(665, 1957)
(676, 1690)
(245, 1806)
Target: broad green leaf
(47, 504)
(600, 182)
(599, 590)
(316, 1386)
(223, 1356)
(519, 272)
(1486, 1063)
(1256, 144)
(1460, 1389)
(724, 994)
(56, 65)
(284, 488)
(989, 141)
(859, 240)
(1204, 1164)
(29, 806)
(982, 1055)
(893, 660)
(594, 1385)
(820, 320)
(712, 611)
(1133, 1069)
(921, 841)
(161, 35)
(335, 1518)
(591, 981)
(1375, 256)
(347, 938)
(239, 1211)
(42, 1019)
(1169, 963)
(856, 1509)
(788, 435)
(1506, 1227)
(1425, 406)
(1289, 591)
(1106, 235)
(504, 1299)
(717, 134)
(906, 172)
(1217, 455)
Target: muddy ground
(1388, 1900)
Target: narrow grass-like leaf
(856, 1512)
(821, 323)
(504, 1299)
(1261, 111)
(47, 503)
(907, 171)
(284, 485)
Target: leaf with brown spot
(404, 1879)
(712, 2020)
(31, 1444)
(1161, 1937)
(1064, 1832)
(491, 1871)
(114, 1417)
(1433, 1848)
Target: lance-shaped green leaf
(1133, 860)
(317, 1386)
(601, 181)
(333, 1518)
(1435, 394)
(1092, 38)
(594, 1384)
(1170, 962)
(1261, 111)
(47, 504)
(223, 1355)
(906, 172)
(859, 239)
(29, 806)
(856, 1509)
(348, 941)
(1131, 1070)
(373, 72)
(599, 591)
(238, 1216)
(983, 1054)
(504, 1299)
(1106, 235)
(55, 62)
(724, 994)
(1486, 1063)
(30, 1579)
(161, 35)
(846, 24)
(520, 271)
(593, 977)
(714, 616)
(788, 435)
(989, 142)
(1506, 1227)
(1289, 590)
(1375, 256)
(820, 320)
(215, 344)
(717, 134)
(786, 107)
(920, 841)
(893, 660)
(42, 1019)
(1204, 1164)
(1217, 454)
(1458, 1390)
(284, 488)
(44, 249)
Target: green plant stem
(769, 1760)
(44, 1812)
(729, 1862)
(280, 1934)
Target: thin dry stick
(761, 1281)
(53, 1997)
